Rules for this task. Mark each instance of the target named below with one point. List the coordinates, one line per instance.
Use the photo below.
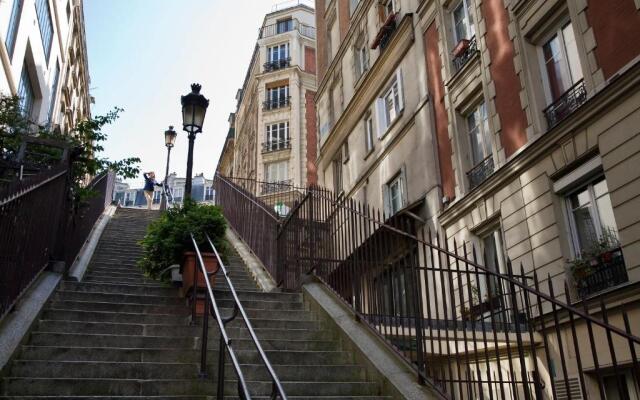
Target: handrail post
(221, 362)
(205, 338)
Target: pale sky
(144, 54)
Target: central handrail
(277, 389)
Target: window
(178, 193)
(208, 193)
(277, 97)
(368, 134)
(285, 25)
(14, 23)
(54, 92)
(561, 64)
(25, 93)
(390, 104)
(277, 136)
(463, 26)
(494, 261)
(277, 57)
(353, 4)
(277, 172)
(360, 61)
(388, 8)
(591, 217)
(395, 194)
(345, 151)
(156, 197)
(622, 386)
(395, 287)
(46, 26)
(479, 134)
(337, 173)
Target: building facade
(44, 60)
(201, 191)
(508, 126)
(274, 129)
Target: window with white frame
(368, 134)
(278, 53)
(560, 63)
(25, 93)
(284, 25)
(277, 172)
(389, 7)
(591, 219)
(178, 193)
(479, 134)
(390, 104)
(463, 26)
(360, 60)
(208, 193)
(395, 194)
(494, 261)
(277, 136)
(156, 196)
(277, 97)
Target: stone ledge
(397, 378)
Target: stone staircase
(119, 335)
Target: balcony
(287, 26)
(600, 272)
(277, 64)
(275, 187)
(276, 145)
(269, 105)
(385, 33)
(568, 103)
(464, 51)
(480, 172)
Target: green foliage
(169, 236)
(86, 139)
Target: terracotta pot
(460, 48)
(190, 264)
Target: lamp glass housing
(194, 109)
(170, 137)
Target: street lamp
(169, 141)
(194, 108)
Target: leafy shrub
(169, 236)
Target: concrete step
(79, 305)
(116, 297)
(92, 287)
(174, 355)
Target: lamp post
(169, 141)
(194, 108)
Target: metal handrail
(225, 342)
(277, 389)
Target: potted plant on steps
(168, 242)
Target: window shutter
(385, 201)
(400, 89)
(380, 117)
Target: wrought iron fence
(480, 172)
(31, 213)
(468, 49)
(277, 64)
(566, 104)
(469, 330)
(83, 218)
(274, 104)
(287, 26)
(275, 145)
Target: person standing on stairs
(149, 183)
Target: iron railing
(277, 64)
(605, 271)
(269, 105)
(31, 214)
(480, 172)
(226, 345)
(566, 104)
(469, 48)
(276, 145)
(287, 26)
(470, 327)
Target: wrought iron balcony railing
(287, 26)
(275, 145)
(268, 105)
(464, 51)
(569, 102)
(275, 187)
(481, 171)
(600, 273)
(277, 64)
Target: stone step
(173, 355)
(132, 387)
(154, 370)
(92, 287)
(110, 274)
(136, 308)
(103, 278)
(125, 341)
(116, 297)
(237, 330)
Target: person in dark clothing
(149, 183)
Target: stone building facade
(274, 124)
(44, 60)
(509, 126)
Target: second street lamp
(194, 108)
(169, 141)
